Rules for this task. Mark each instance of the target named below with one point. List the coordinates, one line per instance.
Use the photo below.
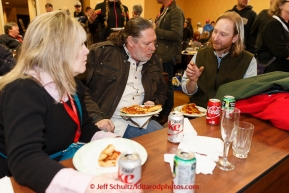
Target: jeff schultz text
(142, 186)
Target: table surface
(269, 149)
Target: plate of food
(101, 156)
(140, 110)
(117, 28)
(191, 110)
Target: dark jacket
(115, 19)
(248, 16)
(275, 43)
(107, 74)
(170, 33)
(231, 68)
(7, 61)
(9, 41)
(255, 37)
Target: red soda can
(213, 112)
(129, 168)
(176, 127)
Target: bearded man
(223, 61)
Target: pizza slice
(190, 109)
(140, 109)
(108, 156)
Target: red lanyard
(73, 114)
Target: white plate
(141, 115)
(203, 111)
(116, 28)
(86, 158)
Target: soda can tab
(213, 112)
(129, 168)
(175, 127)
(184, 171)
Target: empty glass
(243, 138)
(228, 131)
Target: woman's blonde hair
(238, 46)
(50, 45)
(275, 7)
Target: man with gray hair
(125, 71)
(225, 60)
(136, 10)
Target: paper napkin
(141, 121)
(188, 127)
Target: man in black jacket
(248, 16)
(124, 71)
(11, 38)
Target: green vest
(231, 68)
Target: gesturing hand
(193, 72)
(91, 15)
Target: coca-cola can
(175, 127)
(129, 168)
(213, 112)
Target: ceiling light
(6, 2)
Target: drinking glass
(243, 138)
(228, 131)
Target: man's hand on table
(105, 125)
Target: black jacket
(170, 34)
(113, 20)
(275, 43)
(106, 77)
(7, 61)
(248, 16)
(9, 41)
(255, 37)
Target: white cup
(243, 138)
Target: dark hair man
(124, 71)
(11, 38)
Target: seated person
(7, 61)
(124, 71)
(46, 119)
(205, 37)
(223, 61)
(196, 38)
(11, 38)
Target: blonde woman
(39, 112)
